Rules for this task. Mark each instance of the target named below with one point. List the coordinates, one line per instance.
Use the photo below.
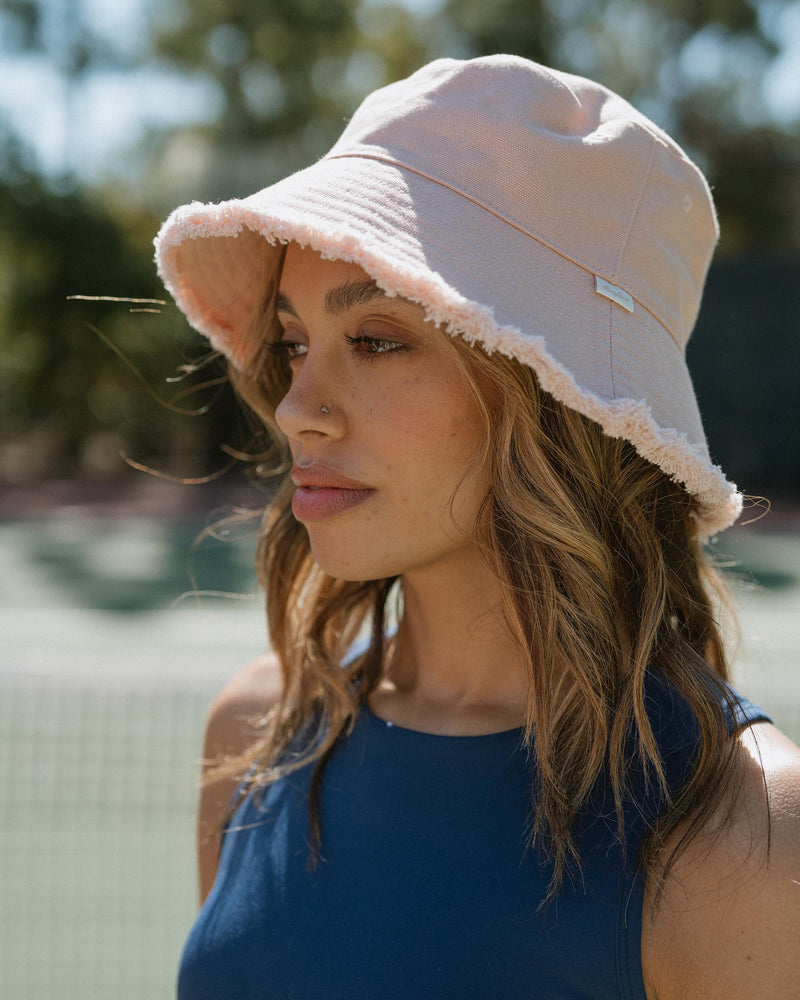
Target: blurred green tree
(67, 403)
(288, 72)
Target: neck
(454, 667)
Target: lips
(323, 492)
(323, 477)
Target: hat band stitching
(637, 203)
(611, 346)
(503, 218)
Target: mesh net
(98, 798)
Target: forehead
(302, 265)
(339, 284)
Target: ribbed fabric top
(426, 889)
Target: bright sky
(109, 112)
(105, 118)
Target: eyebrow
(342, 297)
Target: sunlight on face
(384, 429)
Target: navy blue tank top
(426, 890)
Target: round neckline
(386, 724)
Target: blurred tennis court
(103, 689)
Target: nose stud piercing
(324, 409)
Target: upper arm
(229, 732)
(728, 923)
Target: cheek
(425, 425)
(450, 433)
(465, 427)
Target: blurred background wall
(112, 112)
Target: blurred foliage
(286, 73)
(289, 72)
(67, 401)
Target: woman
(467, 322)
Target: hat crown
(564, 159)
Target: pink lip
(322, 492)
(320, 477)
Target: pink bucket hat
(535, 212)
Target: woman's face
(384, 430)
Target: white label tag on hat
(613, 292)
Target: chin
(357, 563)
(344, 567)
(351, 574)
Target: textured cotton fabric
(426, 891)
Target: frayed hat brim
(424, 241)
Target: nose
(309, 407)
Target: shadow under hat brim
(461, 261)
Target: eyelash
(284, 348)
(375, 346)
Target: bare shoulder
(230, 730)
(728, 922)
(249, 693)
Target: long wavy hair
(603, 579)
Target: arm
(228, 733)
(728, 924)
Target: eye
(373, 345)
(288, 349)
(376, 338)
